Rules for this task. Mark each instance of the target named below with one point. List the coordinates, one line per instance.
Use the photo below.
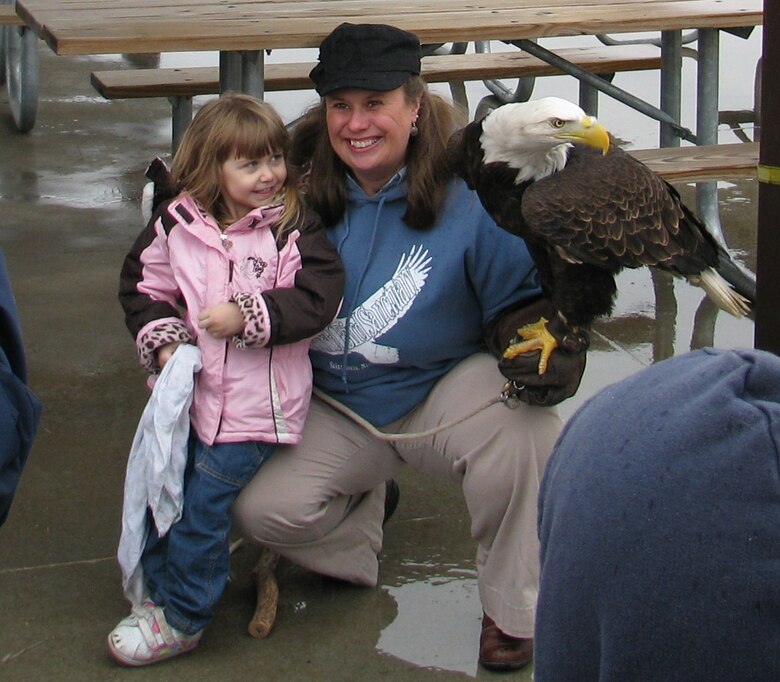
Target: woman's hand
(220, 321)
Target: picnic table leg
(229, 72)
(181, 109)
(253, 73)
(267, 594)
(671, 86)
(707, 77)
(21, 73)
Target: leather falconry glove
(565, 366)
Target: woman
(429, 278)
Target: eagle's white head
(534, 136)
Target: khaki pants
(309, 503)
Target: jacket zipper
(224, 358)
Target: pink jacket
(257, 385)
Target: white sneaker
(145, 637)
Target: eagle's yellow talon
(535, 337)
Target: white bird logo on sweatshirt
(379, 312)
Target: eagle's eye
(558, 123)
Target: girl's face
(251, 183)
(369, 131)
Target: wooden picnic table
(241, 30)
(73, 27)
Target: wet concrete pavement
(69, 192)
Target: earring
(413, 132)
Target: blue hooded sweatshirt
(416, 302)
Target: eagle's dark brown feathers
(596, 215)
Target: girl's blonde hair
(232, 126)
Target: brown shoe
(392, 495)
(498, 651)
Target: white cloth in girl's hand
(155, 467)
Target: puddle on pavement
(78, 190)
(438, 623)
(76, 99)
(99, 187)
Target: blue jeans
(186, 571)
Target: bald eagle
(549, 173)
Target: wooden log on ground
(262, 621)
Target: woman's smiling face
(369, 131)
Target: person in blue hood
(432, 284)
(659, 523)
(20, 409)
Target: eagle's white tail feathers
(721, 293)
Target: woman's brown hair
(229, 127)
(427, 170)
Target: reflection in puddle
(77, 99)
(437, 625)
(75, 189)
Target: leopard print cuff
(162, 334)
(257, 331)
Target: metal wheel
(21, 73)
(2, 55)
(2, 45)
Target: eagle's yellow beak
(588, 131)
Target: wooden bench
(702, 163)
(181, 85)
(9, 17)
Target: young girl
(235, 265)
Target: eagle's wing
(610, 211)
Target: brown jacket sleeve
(304, 310)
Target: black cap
(366, 56)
